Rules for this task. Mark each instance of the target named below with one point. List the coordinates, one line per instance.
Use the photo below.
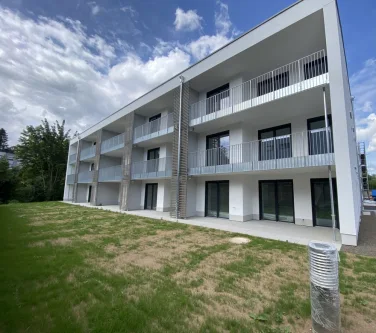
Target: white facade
(263, 121)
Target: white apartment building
(251, 132)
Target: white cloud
(205, 45)
(187, 21)
(129, 9)
(94, 7)
(51, 68)
(222, 19)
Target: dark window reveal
(315, 68)
(218, 99)
(276, 82)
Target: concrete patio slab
(281, 231)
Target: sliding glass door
(151, 191)
(321, 206)
(275, 143)
(217, 199)
(277, 200)
(218, 149)
(317, 136)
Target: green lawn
(70, 269)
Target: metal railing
(305, 149)
(305, 73)
(160, 167)
(154, 128)
(113, 143)
(72, 158)
(87, 153)
(85, 177)
(113, 173)
(70, 179)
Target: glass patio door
(275, 143)
(321, 206)
(217, 199)
(155, 123)
(277, 200)
(153, 160)
(218, 149)
(151, 191)
(317, 136)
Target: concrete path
(367, 237)
(266, 229)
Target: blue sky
(81, 60)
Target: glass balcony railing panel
(304, 149)
(305, 73)
(113, 143)
(160, 167)
(113, 173)
(88, 153)
(161, 126)
(72, 158)
(85, 177)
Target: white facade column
(343, 132)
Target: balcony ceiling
(297, 41)
(306, 104)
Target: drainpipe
(329, 168)
(179, 144)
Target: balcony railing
(85, 177)
(72, 158)
(158, 168)
(87, 153)
(70, 179)
(303, 74)
(152, 129)
(110, 174)
(297, 150)
(114, 143)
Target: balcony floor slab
(281, 231)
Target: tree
(8, 180)
(43, 153)
(3, 139)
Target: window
(157, 116)
(218, 99)
(317, 136)
(275, 143)
(276, 82)
(92, 166)
(315, 68)
(154, 126)
(218, 149)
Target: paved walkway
(266, 229)
(367, 237)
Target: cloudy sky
(81, 60)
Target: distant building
(11, 157)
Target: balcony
(117, 142)
(85, 177)
(110, 174)
(158, 168)
(155, 128)
(300, 75)
(70, 179)
(88, 153)
(297, 150)
(72, 158)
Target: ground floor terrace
(292, 204)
